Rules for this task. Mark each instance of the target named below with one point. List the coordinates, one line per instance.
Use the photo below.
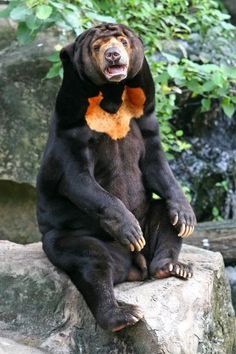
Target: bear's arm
(158, 175)
(80, 187)
(156, 170)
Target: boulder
(26, 101)
(41, 308)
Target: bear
(102, 163)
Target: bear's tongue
(115, 69)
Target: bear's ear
(67, 53)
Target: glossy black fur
(92, 190)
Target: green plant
(216, 214)
(165, 26)
(224, 185)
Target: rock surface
(41, 308)
(17, 209)
(8, 346)
(26, 102)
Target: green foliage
(223, 185)
(216, 214)
(166, 26)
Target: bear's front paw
(129, 233)
(125, 228)
(182, 216)
(132, 235)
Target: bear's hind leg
(90, 266)
(164, 245)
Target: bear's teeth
(115, 69)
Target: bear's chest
(118, 155)
(116, 125)
(117, 166)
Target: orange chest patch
(116, 125)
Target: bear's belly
(117, 169)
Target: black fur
(94, 193)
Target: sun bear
(102, 163)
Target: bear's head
(105, 53)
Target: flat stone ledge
(41, 308)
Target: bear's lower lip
(115, 71)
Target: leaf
(73, 20)
(163, 78)
(155, 196)
(208, 68)
(20, 13)
(233, 99)
(165, 89)
(228, 26)
(43, 11)
(206, 104)
(57, 4)
(33, 23)
(223, 184)
(54, 71)
(215, 211)
(179, 133)
(208, 86)
(24, 35)
(228, 108)
(218, 78)
(175, 72)
(230, 71)
(54, 57)
(194, 86)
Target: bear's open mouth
(115, 72)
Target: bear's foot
(173, 268)
(121, 316)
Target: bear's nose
(112, 55)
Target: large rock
(26, 102)
(41, 308)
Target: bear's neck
(112, 96)
(72, 100)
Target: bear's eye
(124, 42)
(96, 48)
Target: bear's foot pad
(176, 269)
(122, 316)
